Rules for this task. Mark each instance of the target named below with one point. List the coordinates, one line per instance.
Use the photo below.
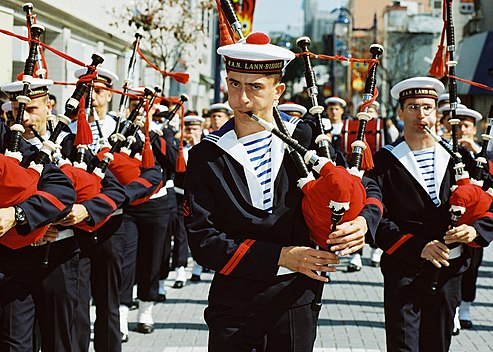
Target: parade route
(351, 319)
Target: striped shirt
(259, 149)
(426, 162)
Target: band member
(219, 113)
(335, 112)
(30, 288)
(243, 215)
(101, 99)
(467, 133)
(146, 230)
(415, 226)
(293, 109)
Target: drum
(374, 135)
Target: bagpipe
(468, 201)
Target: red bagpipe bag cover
(17, 184)
(87, 185)
(334, 184)
(126, 169)
(472, 197)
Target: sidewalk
(351, 318)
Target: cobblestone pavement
(351, 319)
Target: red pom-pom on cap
(258, 38)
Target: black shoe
(206, 270)
(124, 338)
(144, 328)
(178, 284)
(161, 298)
(195, 278)
(455, 332)
(135, 305)
(375, 264)
(466, 324)
(351, 268)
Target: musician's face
(100, 99)
(335, 112)
(218, 119)
(35, 115)
(417, 113)
(192, 134)
(467, 128)
(253, 93)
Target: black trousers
(100, 274)
(233, 329)
(414, 319)
(32, 291)
(470, 276)
(149, 222)
(176, 231)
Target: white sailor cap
(464, 113)
(335, 100)
(417, 87)
(445, 99)
(193, 120)
(220, 107)
(446, 107)
(375, 104)
(292, 108)
(255, 55)
(160, 108)
(104, 75)
(6, 107)
(38, 88)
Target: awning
(475, 63)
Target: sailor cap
(290, 108)
(255, 55)
(103, 75)
(335, 100)
(37, 88)
(417, 87)
(220, 107)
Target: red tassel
(147, 155)
(180, 77)
(225, 33)
(437, 68)
(84, 133)
(367, 161)
(181, 165)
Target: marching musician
(100, 260)
(335, 112)
(34, 289)
(467, 133)
(145, 230)
(101, 99)
(416, 223)
(219, 113)
(243, 215)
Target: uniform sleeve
(110, 198)
(166, 150)
(144, 185)
(212, 248)
(373, 208)
(52, 201)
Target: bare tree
(174, 30)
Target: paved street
(351, 318)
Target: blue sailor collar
(401, 151)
